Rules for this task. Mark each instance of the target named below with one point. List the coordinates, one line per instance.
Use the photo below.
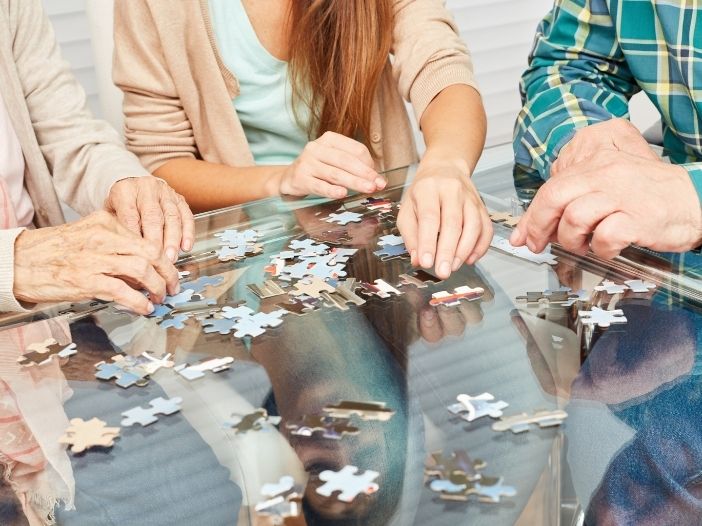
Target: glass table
(629, 452)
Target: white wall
(499, 34)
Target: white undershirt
(12, 169)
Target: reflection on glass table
(628, 452)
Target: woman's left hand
(442, 220)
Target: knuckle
(153, 214)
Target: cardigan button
(375, 137)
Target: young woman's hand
(328, 167)
(442, 219)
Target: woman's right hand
(95, 257)
(328, 167)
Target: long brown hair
(337, 52)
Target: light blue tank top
(264, 105)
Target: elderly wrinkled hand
(612, 201)
(96, 257)
(150, 208)
(612, 135)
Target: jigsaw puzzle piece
(197, 370)
(42, 353)
(364, 410)
(639, 286)
(391, 252)
(329, 426)
(158, 406)
(348, 482)
(254, 421)
(610, 287)
(470, 408)
(344, 218)
(379, 288)
(312, 287)
(201, 283)
(494, 492)
(175, 322)
(453, 299)
(503, 244)
(601, 317)
(521, 422)
(420, 279)
(85, 434)
(390, 240)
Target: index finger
(351, 146)
(543, 215)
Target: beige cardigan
(178, 93)
(68, 154)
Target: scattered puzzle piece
(333, 237)
(221, 326)
(379, 288)
(520, 423)
(175, 322)
(610, 287)
(269, 289)
(453, 299)
(283, 500)
(390, 240)
(344, 218)
(391, 252)
(201, 283)
(235, 238)
(343, 295)
(237, 253)
(553, 297)
(504, 245)
(348, 482)
(297, 307)
(601, 317)
(639, 286)
(329, 426)
(197, 370)
(82, 434)
(378, 203)
(145, 417)
(504, 218)
(419, 279)
(312, 287)
(454, 467)
(42, 353)
(365, 410)
(246, 323)
(470, 408)
(253, 421)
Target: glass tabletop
(628, 452)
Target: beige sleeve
(156, 126)
(8, 303)
(84, 154)
(429, 56)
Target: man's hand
(442, 219)
(150, 208)
(95, 257)
(588, 143)
(617, 199)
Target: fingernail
(150, 308)
(427, 260)
(187, 245)
(456, 264)
(380, 182)
(444, 269)
(516, 234)
(369, 188)
(172, 254)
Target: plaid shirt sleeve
(577, 76)
(695, 171)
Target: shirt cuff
(8, 302)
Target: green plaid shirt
(591, 56)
